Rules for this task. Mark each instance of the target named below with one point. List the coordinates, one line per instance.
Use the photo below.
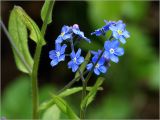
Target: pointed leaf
(35, 33)
(47, 104)
(75, 90)
(18, 33)
(53, 113)
(64, 107)
(46, 12)
(83, 66)
(90, 96)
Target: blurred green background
(131, 87)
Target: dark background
(131, 87)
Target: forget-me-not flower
(80, 34)
(57, 55)
(119, 31)
(76, 60)
(66, 33)
(112, 50)
(99, 67)
(104, 29)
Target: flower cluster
(111, 50)
(68, 33)
(100, 60)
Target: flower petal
(96, 71)
(59, 39)
(114, 58)
(67, 36)
(63, 49)
(52, 52)
(72, 55)
(93, 52)
(101, 61)
(103, 69)
(61, 58)
(74, 68)
(113, 28)
(97, 32)
(122, 39)
(115, 34)
(65, 29)
(119, 51)
(88, 40)
(107, 45)
(114, 44)
(106, 54)
(58, 47)
(89, 66)
(70, 64)
(126, 34)
(78, 53)
(54, 62)
(52, 56)
(80, 60)
(94, 58)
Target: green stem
(35, 99)
(82, 111)
(71, 82)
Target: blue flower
(99, 68)
(112, 50)
(104, 29)
(119, 31)
(57, 55)
(66, 33)
(76, 31)
(76, 60)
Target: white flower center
(74, 60)
(58, 54)
(97, 65)
(111, 50)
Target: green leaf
(53, 113)
(64, 107)
(16, 99)
(67, 92)
(46, 12)
(35, 33)
(18, 32)
(90, 96)
(83, 66)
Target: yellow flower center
(62, 34)
(119, 32)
